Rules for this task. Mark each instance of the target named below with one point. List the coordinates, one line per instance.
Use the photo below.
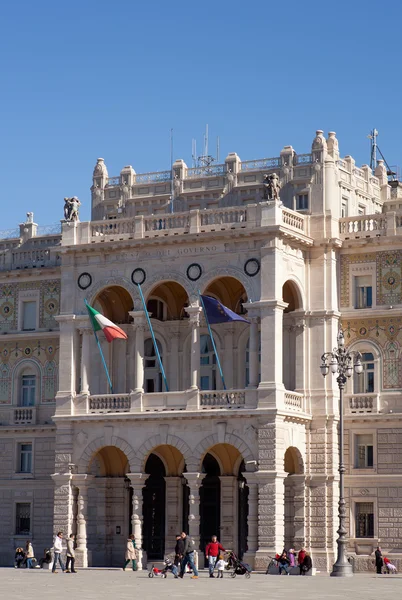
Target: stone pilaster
(252, 519)
(82, 482)
(173, 511)
(63, 503)
(194, 312)
(229, 505)
(85, 360)
(194, 481)
(138, 481)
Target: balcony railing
(226, 399)
(24, 416)
(363, 226)
(362, 403)
(206, 171)
(194, 221)
(110, 403)
(294, 401)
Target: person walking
(70, 554)
(58, 549)
(212, 551)
(131, 553)
(378, 560)
(300, 558)
(188, 556)
(29, 554)
(179, 550)
(221, 565)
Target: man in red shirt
(212, 552)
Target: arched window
(28, 390)
(207, 364)
(153, 377)
(365, 382)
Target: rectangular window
(361, 210)
(364, 452)
(25, 458)
(28, 389)
(364, 292)
(302, 202)
(204, 382)
(23, 518)
(344, 210)
(29, 316)
(364, 519)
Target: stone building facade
(256, 464)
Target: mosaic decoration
(386, 334)
(49, 304)
(8, 316)
(44, 352)
(388, 274)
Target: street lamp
(341, 362)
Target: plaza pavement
(112, 584)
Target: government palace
(256, 464)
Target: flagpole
(153, 338)
(102, 356)
(218, 362)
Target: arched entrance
(291, 295)
(210, 501)
(165, 501)
(294, 513)
(154, 508)
(108, 507)
(115, 303)
(224, 498)
(166, 302)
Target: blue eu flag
(217, 313)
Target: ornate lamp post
(342, 362)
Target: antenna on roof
(205, 159)
(373, 157)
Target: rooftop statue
(272, 187)
(71, 209)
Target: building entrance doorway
(210, 501)
(154, 509)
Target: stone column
(137, 483)
(300, 354)
(229, 511)
(140, 325)
(253, 354)
(252, 520)
(130, 359)
(194, 481)
(173, 512)
(85, 360)
(228, 361)
(174, 363)
(194, 312)
(82, 482)
(271, 388)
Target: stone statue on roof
(272, 187)
(71, 209)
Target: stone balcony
(188, 400)
(253, 216)
(362, 404)
(370, 226)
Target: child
(220, 565)
(389, 566)
(169, 566)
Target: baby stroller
(169, 566)
(239, 567)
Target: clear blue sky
(82, 79)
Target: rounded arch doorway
(154, 508)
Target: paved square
(117, 585)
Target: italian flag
(100, 322)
